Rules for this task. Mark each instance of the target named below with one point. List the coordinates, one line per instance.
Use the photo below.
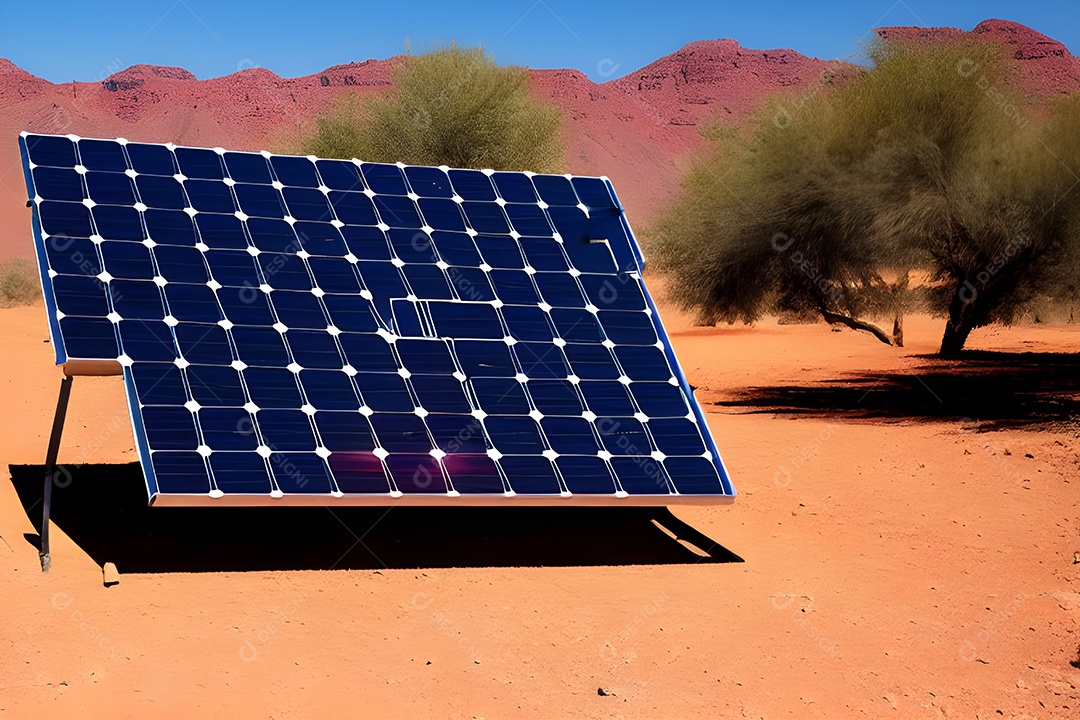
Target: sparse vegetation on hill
(452, 106)
(921, 183)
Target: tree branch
(837, 319)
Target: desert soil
(910, 565)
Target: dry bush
(19, 282)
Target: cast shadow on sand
(983, 390)
(103, 510)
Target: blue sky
(88, 41)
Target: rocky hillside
(638, 129)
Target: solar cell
(303, 330)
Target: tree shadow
(104, 511)
(990, 390)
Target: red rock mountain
(1044, 67)
(639, 129)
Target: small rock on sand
(110, 575)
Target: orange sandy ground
(901, 569)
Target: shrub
(19, 282)
(452, 106)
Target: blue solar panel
(292, 329)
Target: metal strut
(50, 468)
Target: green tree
(452, 106)
(922, 166)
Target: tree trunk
(962, 320)
(898, 291)
(952, 342)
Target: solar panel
(302, 330)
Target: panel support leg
(50, 468)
